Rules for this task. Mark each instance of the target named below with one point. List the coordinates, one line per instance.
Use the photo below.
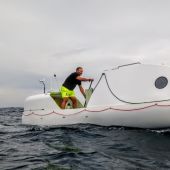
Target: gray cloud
(71, 52)
(22, 80)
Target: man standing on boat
(67, 89)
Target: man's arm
(82, 91)
(83, 79)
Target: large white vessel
(132, 95)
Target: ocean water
(79, 147)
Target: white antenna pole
(51, 84)
(44, 88)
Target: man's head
(79, 70)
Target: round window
(161, 82)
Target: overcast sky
(41, 37)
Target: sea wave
(81, 146)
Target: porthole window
(161, 82)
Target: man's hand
(91, 79)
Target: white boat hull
(135, 95)
(140, 116)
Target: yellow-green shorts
(66, 92)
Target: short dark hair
(79, 68)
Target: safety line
(154, 101)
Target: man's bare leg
(74, 101)
(63, 104)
